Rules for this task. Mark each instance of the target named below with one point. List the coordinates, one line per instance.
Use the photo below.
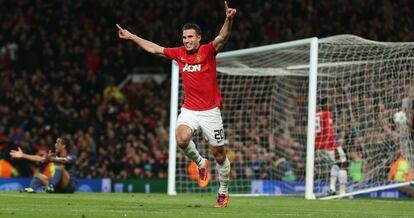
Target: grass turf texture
(84, 205)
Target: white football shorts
(209, 121)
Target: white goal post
(270, 96)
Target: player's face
(58, 145)
(191, 40)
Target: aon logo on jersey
(192, 68)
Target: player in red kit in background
(327, 149)
(197, 64)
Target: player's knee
(38, 175)
(219, 154)
(183, 136)
(220, 158)
(182, 141)
(60, 168)
(335, 170)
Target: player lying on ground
(64, 178)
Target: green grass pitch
(84, 205)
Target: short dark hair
(65, 141)
(193, 26)
(323, 102)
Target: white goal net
(266, 107)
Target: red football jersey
(198, 70)
(325, 133)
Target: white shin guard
(192, 153)
(334, 177)
(224, 175)
(343, 180)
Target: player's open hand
(123, 33)
(16, 154)
(230, 12)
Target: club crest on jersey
(192, 68)
(198, 58)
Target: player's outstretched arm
(20, 154)
(51, 157)
(145, 44)
(225, 31)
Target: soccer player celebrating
(64, 178)
(197, 64)
(327, 148)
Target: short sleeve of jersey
(171, 53)
(211, 49)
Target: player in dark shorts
(64, 177)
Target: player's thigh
(211, 124)
(42, 177)
(65, 178)
(186, 125)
